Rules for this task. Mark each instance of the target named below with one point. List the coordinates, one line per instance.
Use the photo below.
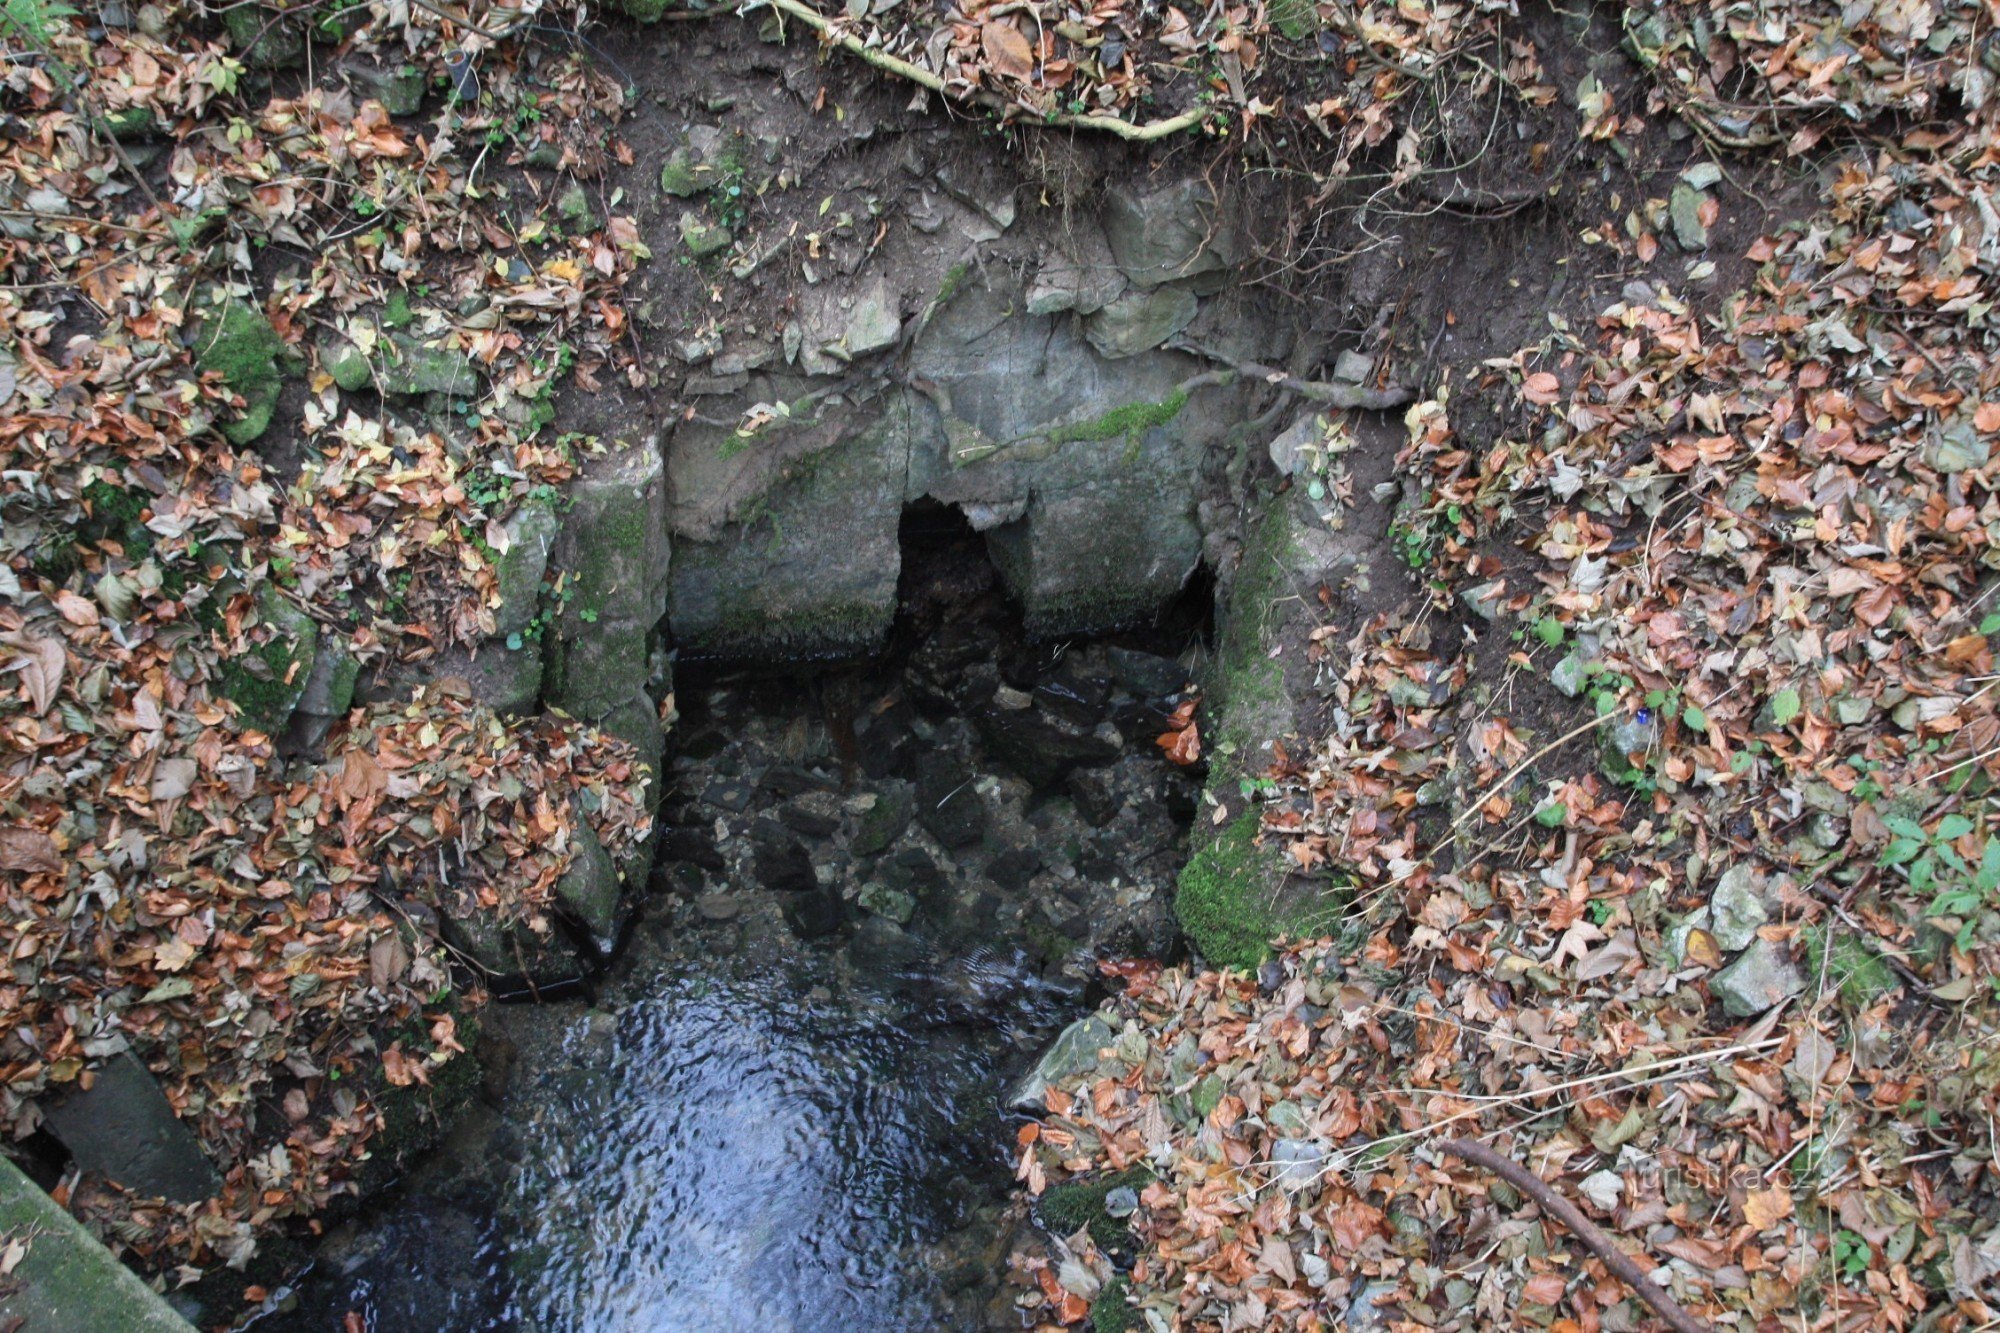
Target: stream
(880, 892)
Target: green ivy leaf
(1784, 706)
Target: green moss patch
(1849, 965)
(1123, 422)
(1224, 899)
(1079, 1204)
(1112, 1312)
(243, 348)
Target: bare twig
(1621, 1264)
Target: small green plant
(1931, 861)
(1851, 1254)
(32, 21)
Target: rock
(947, 803)
(531, 533)
(1483, 599)
(1085, 284)
(344, 362)
(1011, 870)
(124, 1129)
(267, 682)
(1288, 448)
(411, 368)
(694, 845)
(1147, 675)
(1736, 908)
(702, 237)
(1096, 796)
(1569, 676)
(808, 817)
(812, 915)
(1074, 695)
(1167, 234)
(573, 207)
(1140, 321)
(1038, 748)
(1371, 1307)
(872, 325)
(1073, 1052)
(507, 680)
(329, 687)
(1301, 1163)
(60, 1279)
(718, 906)
(731, 794)
(612, 552)
(1684, 208)
(884, 821)
(263, 38)
(1763, 975)
(912, 871)
(589, 887)
(1621, 740)
(399, 90)
(782, 862)
(703, 160)
(240, 345)
(892, 904)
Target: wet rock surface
(783, 1105)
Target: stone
(531, 532)
(344, 362)
(1763, 975)
(812, 915)
(1372, 1307)
(123, 1128)
(782, 863)
(702, 237)
(718, 906)
(589, 887)
(873, 324)
(1073, 1052)
(411, 368)
(1074, 695)
(1288, 449)
(805, 817)
(267, 682)
(1013, 869)
(884, 821)
(891, 904)
(612, 557)
(1619, 741)
(731, 794)
(239, 344)
(507, 680)
(1085, 283)
(1736, 908)
(703, 160)
(64, 1280)
(573, 207)
(1147, 675)
(400, 90)
(1684, 210)
(1140, 321)
(1569, 676)
(1301, 1164)
(1096, 796)
(912, 871)
(1165, 234)
(1039, 748)
(329, 687)
(947, 803)
(1484, 599)
(264, 39)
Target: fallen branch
(1621, 1264)
(1123, 129)
(1332, 393)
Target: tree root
(1621, 1264)
(1123, 129)
(1335, 394)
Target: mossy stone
(264, 38)
(267, 682)
(531, 532)
(1225, 900)
(1112, 1311)
(413, 368)
(241, 346)
(1078, 1205)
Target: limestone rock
(702, 237)
(701, 161)
(589, 888)
(64, 1281)
(240, 345)
(412, 368)
(1763, 975)
(1166, 234)
(1140, 321)
(531, 533)
(1736, 909)
(1073, 1052)
(612, 557)
(1085, 282)
(329, 687)
(400, 90)
(124, 1128)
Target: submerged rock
(1039, 748)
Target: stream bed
(880, 892)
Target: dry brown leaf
(1007, 51)
(28, 849)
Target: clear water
(783, 1140)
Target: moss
(243, 348)
(1247, 681)
(1223, 897)
(416, 1117)
(263, 682)
(644, 11)
(1861, 975)
(134, 122)
(1122, 422)
(1078, 1204)
(1112, 1312)
(1295, 20)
